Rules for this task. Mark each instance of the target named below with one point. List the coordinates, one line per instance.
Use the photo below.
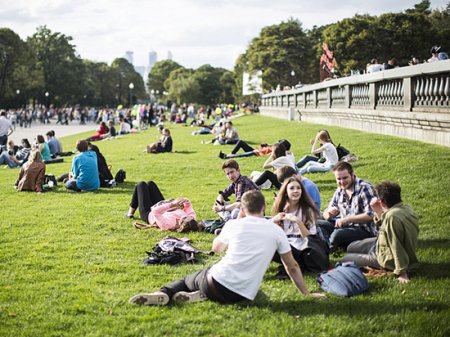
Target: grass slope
(69, 262)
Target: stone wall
(409, 102)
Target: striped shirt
(239, 187)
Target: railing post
(328, 98)
(348, 97)
(372, 95)
(407, 93)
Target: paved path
(42, 129)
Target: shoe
(184, 296)
(129, 216)
(222, 155)
(156, 298)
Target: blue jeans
(5, 158)
(71, 184)
(306, 159)
(342, 237)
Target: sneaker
(184, 296)
(222, 155)
(156, 298)
(129, 216)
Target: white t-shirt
(287, 160)
(373, 68)
(292, 230)
(252, 242)
(330, 153)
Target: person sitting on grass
(19, 158)
(286, 172)
(239, 185)
(237, 276)
(84, 175)
(395, 246)
(32, 174)
(229, 137)
(102, 130)
(329, 153)
(174, 214)
(165, 143)
(348, 216)
(294, 211)
(42, 146)
(277, 159)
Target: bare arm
(268, 163)
(294, 272)
(218, 246)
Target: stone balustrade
(409, 102)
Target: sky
(196, 32)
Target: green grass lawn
(69, 262)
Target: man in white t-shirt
(250, 243)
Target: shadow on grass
(184, 152)
(125, 187)
(343, 306)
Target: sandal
(141, 225)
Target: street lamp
(47, 99)
(17, 98)
(131, 86)
(293, 81)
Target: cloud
(196, 31)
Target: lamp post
(131, 86)
(152, 96)
(293, 75)
(46, 98)
(18, 98)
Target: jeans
(342, 237)
(312, 167)
(145, 195)
(306, 159)
(267, 175)
(363, 253)
(242, 145)
(5, 158)
(71, 184)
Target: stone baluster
(436, 91)
(447, 90)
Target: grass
(70, 262)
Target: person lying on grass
(174, 214)
(237, 276)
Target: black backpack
(121, 175)
(172, 250)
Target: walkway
(42, 129)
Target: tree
(182, 86)
(18, 75)
(279, 50)
(62, 68)
(124, 74)
(211, 90)
(160, 73)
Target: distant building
(129, 56)
(152, 59)
(169, 55)
(141, 70)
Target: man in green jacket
(395, 247)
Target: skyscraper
(129, 56)
(152, 59)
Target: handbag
(314, 254)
